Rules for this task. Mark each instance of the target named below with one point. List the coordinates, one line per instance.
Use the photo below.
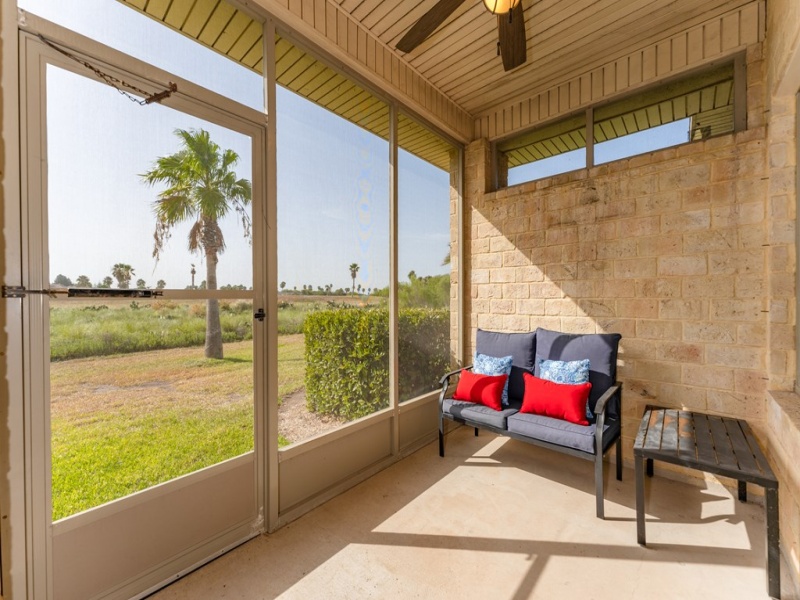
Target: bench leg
(773, 543)
(476, 432)
(598, 484)
(441, 436)
(649, 467)
(639, 467)
(742, 491)
(619, 459)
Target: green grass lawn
(123, 423)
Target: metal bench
(719, 445)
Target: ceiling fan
(510, 28)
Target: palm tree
(161, 284)
(123, 274)
(83, 281)
(353, 272)
(141, 284)
(202, 187)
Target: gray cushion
(600, 348)
(520, 346)
(477, 413)
(563, 433)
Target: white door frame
(191, 99)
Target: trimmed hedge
(347, 358)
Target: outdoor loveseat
(590, 439)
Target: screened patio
(633, 172)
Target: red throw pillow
(557, 400)
(482, 389)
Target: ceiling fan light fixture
(500, 7)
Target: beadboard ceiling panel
(565, 38)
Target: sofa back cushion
(600, 348)
(520, 346)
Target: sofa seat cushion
(477, 413)
(562, 433)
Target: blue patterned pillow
(491, 365)
(571, 372)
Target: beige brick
(516, 290)
(658, 203)
(531, 307)
(675, 308)
(682, 265)
(739, 406)
(529, 274)
(546, 289)
(705, 331)
(686, 221)
(579, 252)
(488, 290)
(578, 325)
(625, 248)
(659, 245)
(686, 177)
(733, 215)
(781, 337)
(596, 307)
(490, 322)
(696, 242)
(730, 262)
(578, 289)
(637, 348)
(752, 236)
(680, 352)
(750, 382)
(514, 258)
(718, 286)
(530, 239)
(638, 308)
(752, 334)
(519, 323)
(750, 286)
(501, 244)
(625, 327)
(684, 396)
(480, 276)
(562, 271)
(552, 323)
(502, 276)
(635, 267)
(659, 288)
(743, 357)
(487, 261)
(657, 371)
(560, 307)
(658, 330)
(709, 377)
(736, 309)
(598, 269)
(615, 288)
(779, 311)
(562, 235)
(502, 307)
(781, 285)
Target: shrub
(347, 366)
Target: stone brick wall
(667, 248)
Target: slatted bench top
(719, 445)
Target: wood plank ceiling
(565, 38)
(233, 33)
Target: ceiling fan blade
(511, 34)
(427, 24)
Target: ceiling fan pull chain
(511, 16)
(498, 47)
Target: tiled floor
(498, 519)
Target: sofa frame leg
(598, 484)
(619, 459)
(476, 432)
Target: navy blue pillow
(600, 348)
(520, 346)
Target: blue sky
(332, 183)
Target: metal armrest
(600, 406)
(445, 378)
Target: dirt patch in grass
(296, 423)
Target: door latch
(260, 314)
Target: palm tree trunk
(213, 348)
